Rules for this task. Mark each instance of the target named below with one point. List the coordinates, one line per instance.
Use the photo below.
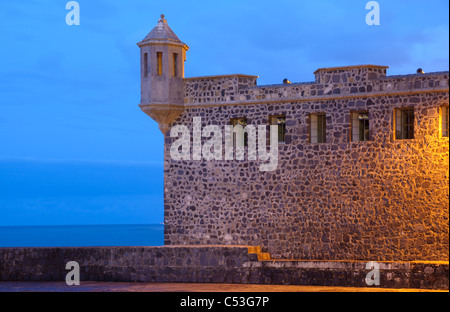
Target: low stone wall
(424, 275)
(125, 264)
(209, 264)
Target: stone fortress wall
(378, 200)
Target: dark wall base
(209, 264)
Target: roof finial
(162, 20)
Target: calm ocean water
(82, 236)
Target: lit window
(404, 124)
(237, 141)
(444, 121)
(279, 121)
(360, 126)
(318, 128)
(159, 63)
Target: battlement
(213, 89)
(336, 82)
(350, 74)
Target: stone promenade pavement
(181, 287)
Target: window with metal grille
(444, 121)
(318, 128)
(360, 126)
(279, 121)
(238, 141)
(404, 124)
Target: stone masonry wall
(379, 200)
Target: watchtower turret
(162, 73)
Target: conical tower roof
(162, 33)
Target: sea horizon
(82, 235)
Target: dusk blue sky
(75, 147)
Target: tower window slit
(175, 64)
(159, 63)
(145, 65)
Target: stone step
(255, 253)
(263, 256)
(254, 249)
